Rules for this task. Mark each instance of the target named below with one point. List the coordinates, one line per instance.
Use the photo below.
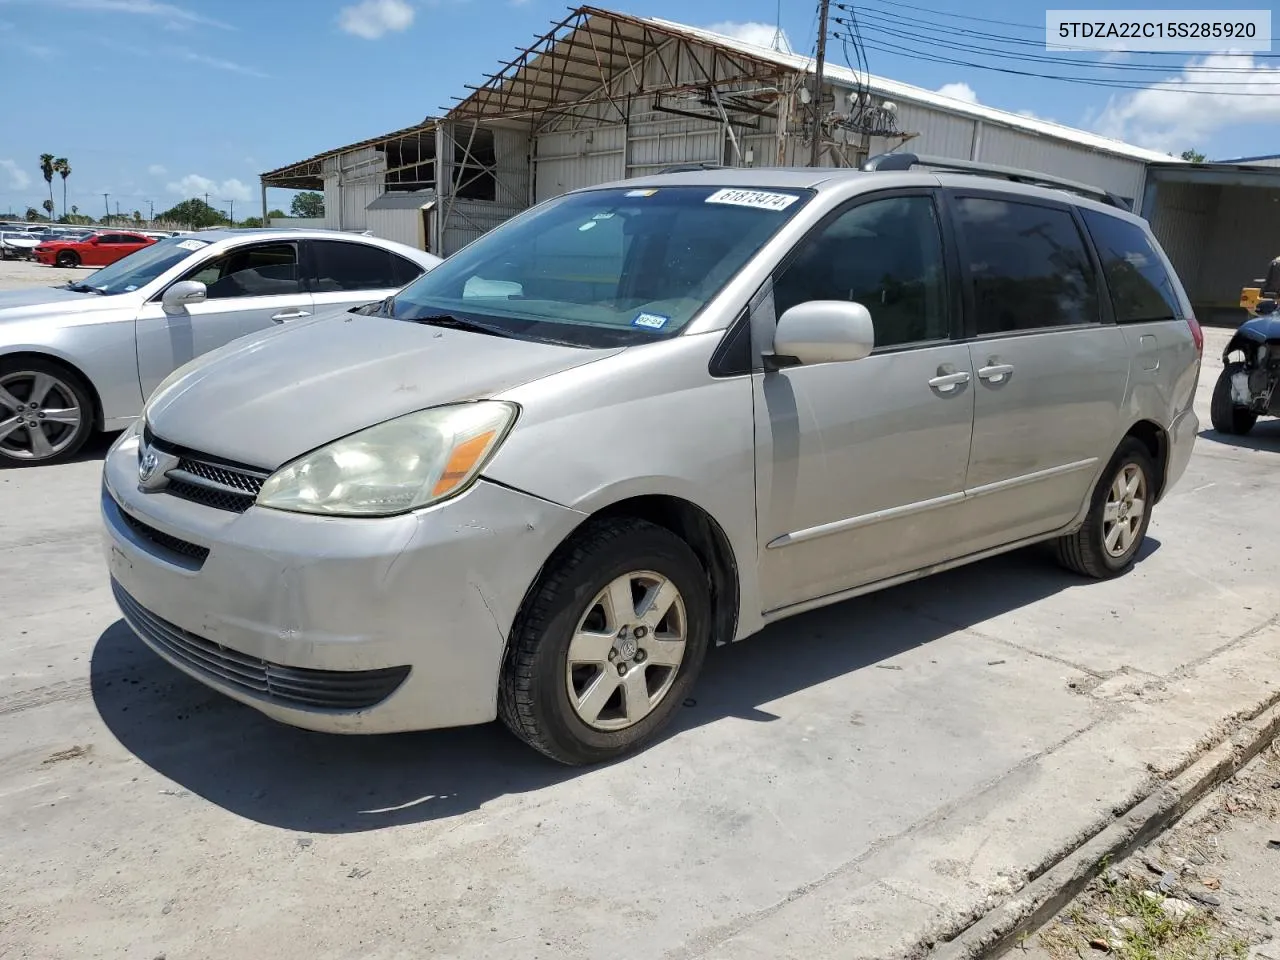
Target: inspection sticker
(641, 193)
(754, 198)
(192, 244)
(651, 321)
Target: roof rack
(905, 161)
(691, 167)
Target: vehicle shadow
(1265, 435)
(249, 765)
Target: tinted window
(1140, 287)
(262, 270)
(1027, 264)
(351, 266)
(885, 255)
(404, 271)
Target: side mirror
(1265, 307)
(182, 294)
(823, 331)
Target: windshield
(603, 268)
(140, 268)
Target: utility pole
(824, 8)
(106, 206)
(151, 212)
(232, 213)
(117, 209)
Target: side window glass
(263, 270)
(351, 266)
(404, 271)
(1140, 287)
(1028, 266)
(885, 255)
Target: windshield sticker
(130, 288)
(650, 321)
(761, 199)
(603, 216)
(589, 225)
(192, 244)
(641, 193)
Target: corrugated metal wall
(1013, 148)
(1181, 222)
(565, 161)
(1240, 244)
(352, 181)
(470, 219)
(402, 226)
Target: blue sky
(158, 100)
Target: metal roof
(403, 200)
(308, 174)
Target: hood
(36, 301)
(266, 399)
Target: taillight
(1196, 333)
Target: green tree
(308, 204)
(1194, 156)
(63, 169)
(251, 222)
(32, 214)
(48, 206)
(137, 217)
(47, 171)
(195, 213)
(276, 214)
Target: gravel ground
(15, 274)
(1208, 888)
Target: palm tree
(46, 168)
(64, 170)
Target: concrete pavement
(862, 781)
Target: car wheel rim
(626, 651)
(1124, 510)
(39, 415)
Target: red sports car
(96, 251)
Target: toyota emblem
(147, 466)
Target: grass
(1134, 926)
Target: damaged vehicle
(1246, 388)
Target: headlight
(394, 467)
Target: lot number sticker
(753, 198)
(192, 244)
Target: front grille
(288, 686)
(208, 481)
(167, 541)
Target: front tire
(1107, 544)
(1227, 417)
(46, 413)
(68, 259)
(608, 644)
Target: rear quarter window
(1140, 287)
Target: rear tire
(57, 428)
(68, 259)
(1107, 544)
(583, 685)
(1228, 417)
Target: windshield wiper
(458, 323)
(85, 288)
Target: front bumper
(332, 624)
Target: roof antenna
(779, 41)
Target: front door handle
(290, 315)
(946, 382)
(995, 372)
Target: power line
(944, 13)
(1061, 61)
(883, 46)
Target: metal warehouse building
(603, 96)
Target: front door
(861, 465)
(1051, 369)
(251, 287)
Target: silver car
(82, 357)
(642, 419)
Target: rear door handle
(995, 372)
(946, 382)
(289, 315)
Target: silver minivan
(641, 419)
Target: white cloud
(190, 56)
(1168, 116)
(194, 185)
(19, 179)
(370, 19)
(750, 31)
(958, 91)
(169, 12)
(156, 170)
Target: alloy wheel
(626, 651)
(39, 415)
(1125, 507)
